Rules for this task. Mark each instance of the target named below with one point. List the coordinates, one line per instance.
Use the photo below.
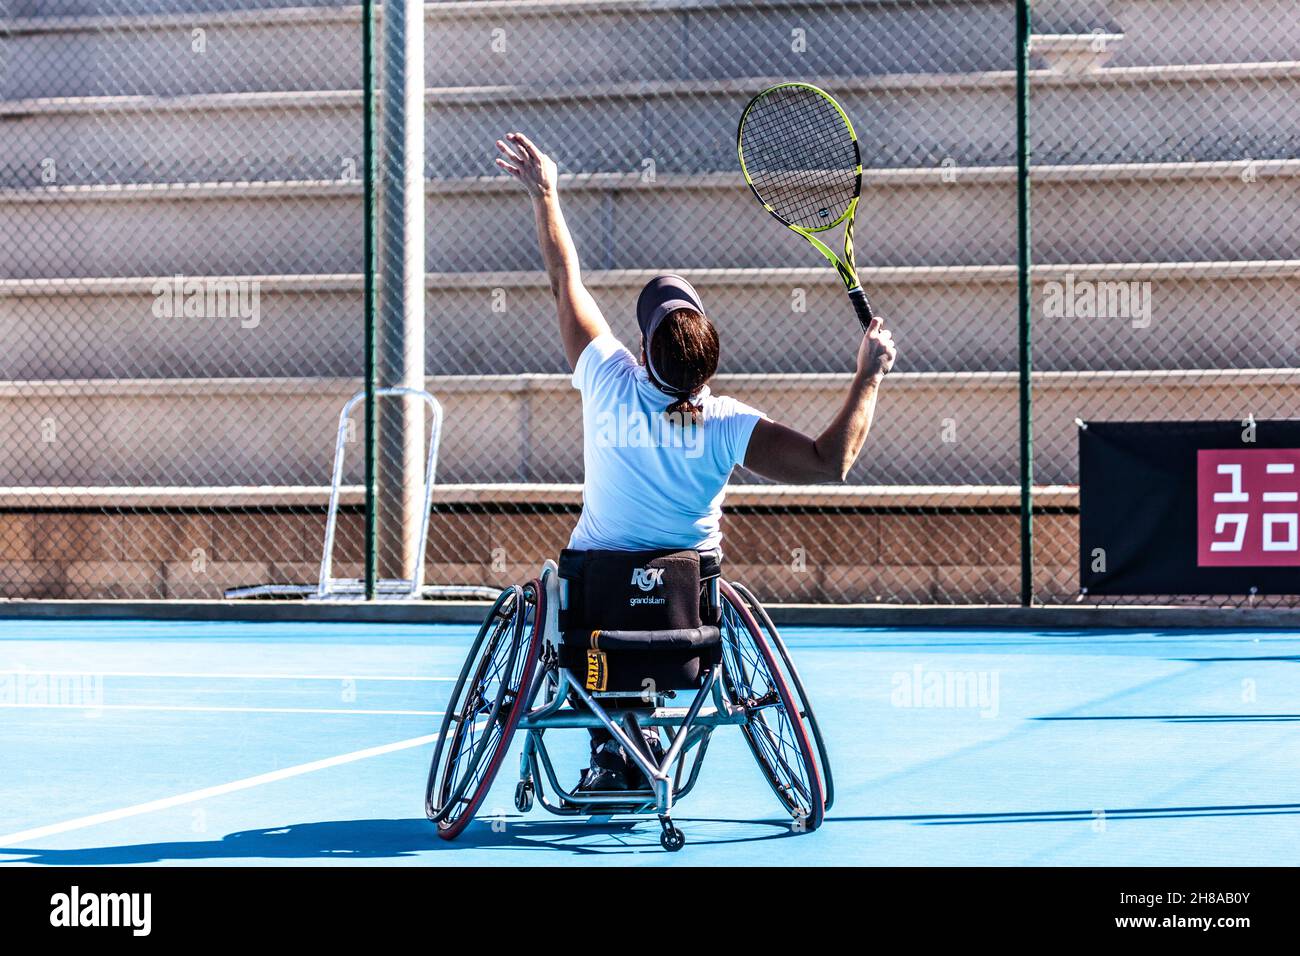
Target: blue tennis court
(148, 742)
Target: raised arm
(783, 454)
(580, 318)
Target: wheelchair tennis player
(634, 633)
(658, 446)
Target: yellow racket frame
(847, 267)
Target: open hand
(533, 169)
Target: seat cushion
(641, 660)
(638, 620)
(703, 637)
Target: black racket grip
(860, 305)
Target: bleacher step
(931, 428)
(907, 217)
(293, 44)
(771, 320)
(1147, 114)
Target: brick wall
(934, 557)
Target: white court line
(13, 840)
(180, 674)
(186, 709)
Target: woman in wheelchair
(642, 603)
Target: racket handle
(860, 305)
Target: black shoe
(608, 770)
(636, 778)
(602, 781)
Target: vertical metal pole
(368, 253)
(400, 355)
(1025, 291)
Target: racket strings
(800, 155)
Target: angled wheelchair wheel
(490, 696)
(795, 684)
(776, 732)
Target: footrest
(612, 801)
(645, 806)
(677, 714)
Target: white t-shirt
(651, 483)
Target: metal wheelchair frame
(694, 725)
(754, 677)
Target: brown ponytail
(684, 355)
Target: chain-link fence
(1165, 212)
(182, 304)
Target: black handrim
(780, 744)
(474, 776)
(468, 713)
(796, 685)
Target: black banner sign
(1189, 507)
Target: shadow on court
(369, 840)
(1083, 816)
(1185, 718)
(342, 840)
(1289, 659)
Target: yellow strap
(597, 670)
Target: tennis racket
(800, 156)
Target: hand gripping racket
(800, 156)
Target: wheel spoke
(775, 738)
(484, 709)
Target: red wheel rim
(449, 830)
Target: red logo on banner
(1248, 507)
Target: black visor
(662, 296)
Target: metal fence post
(368, 253)
(400, 354)
(1024, 292)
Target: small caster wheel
(672, 839)
(524, 796)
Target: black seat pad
(632, 619)
(635, 590)
(705, 636)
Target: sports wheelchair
(632, 643)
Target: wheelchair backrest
(638, 590)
